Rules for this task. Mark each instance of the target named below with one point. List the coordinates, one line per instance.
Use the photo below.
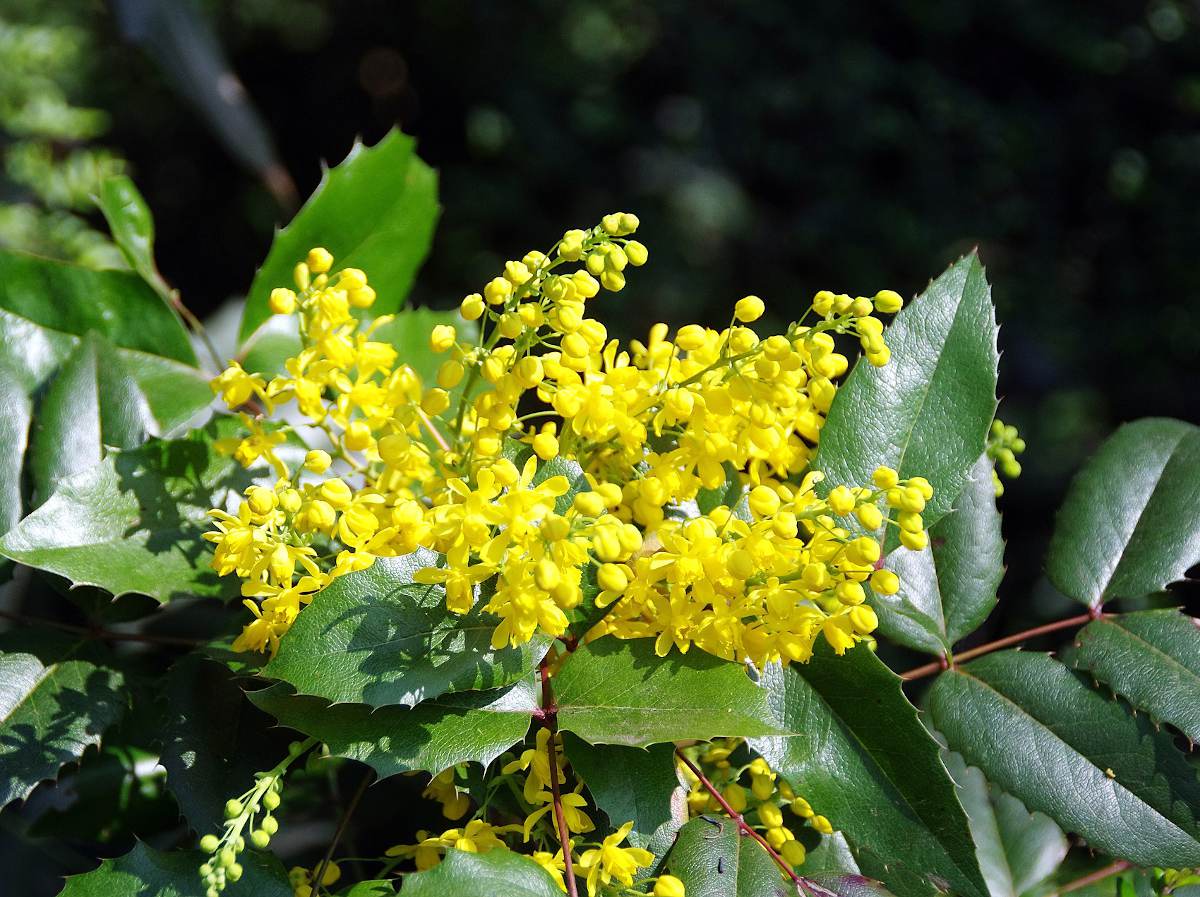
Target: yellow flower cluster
(755, 791)
(529, 774)
(671, 473)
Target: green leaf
(713, 860)
(948, 590)
(16, 413)
(846, 886)
(375, 211)
(433, 736)
(1130, 524)
(377, 888)
(212, 740)
(133, 523)
(613, 691)
(98, 399)
(45, 306)
(376, 637)
(926, 413)
(1017, 849)
(497, 873)
(1151, 658)
(831, 856)
(858, 753)
(49, 715)
(629, 784)
(1038, 731)
(132, 228)
(147, 872)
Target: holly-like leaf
(613, 691)
(629, 784)
(927, 411)
(433, 736)
(948, 590)
(1151, 658)
(16, 413)
(133, 522)
(845, 886)
(1017, 849)
(376, 888)
(712, 859)
(212, 740)
(100, 398)
(46, 306)
(1038, 731)
(147, 872)
(376, 637)
(375, 211)
(49, 715)
(497, 873)
(132, 228)
(1130, 524)
(857, 751)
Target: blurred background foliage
(769, 147)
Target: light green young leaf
(132, 228)
(1038, 731)
(947, 590)
(433, 736)
(147, 872)
(613, 691)
(49, 715)
(1130, 524)
(858, 753)
(927, 412)
(377, 637)
(376, 211)
(133, 523)
(1150, 658)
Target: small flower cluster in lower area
(666, 481)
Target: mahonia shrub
(614, 614)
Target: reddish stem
(549, 719)
(938, 665)
(1092, 877)
(733, 814)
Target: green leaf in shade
(1130, 524)
(433, 736)
(16, 412)
(857, 751)
(948, 590)
(497, 873)
(147, 872)
(629, 784)
(1151, 658)
(375, 211)
(376, 637)
(49, 715)
(1038, 731)
(831, 856)
(925, 413)
(132, 228)
(211, 740)
(1017, 849)
(99, 398)
(712, 859)
(845, 886)
(133, 523)
(612, 691)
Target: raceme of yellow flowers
(471, 465)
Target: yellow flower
(611, 862)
